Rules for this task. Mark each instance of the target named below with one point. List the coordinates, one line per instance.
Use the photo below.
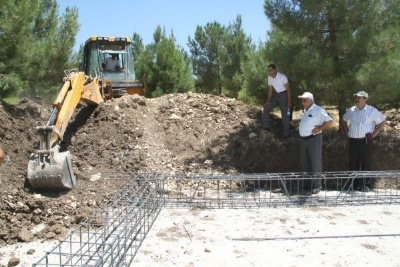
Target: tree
(138, 46)
(217, 53)
(337, 35)
(254, 90)
(237, 46)
(380, 72)
(207, 52)
(165, 65)
(36, 45)
(15, 20)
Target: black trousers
(360, 158)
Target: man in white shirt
(366, 122)
(312, 123)
(279, 82)
(111, 63)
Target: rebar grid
(113, 234)
(279, 190)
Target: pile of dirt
(178, 133)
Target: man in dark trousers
(312, 123)
(365, 124)
(279, 83)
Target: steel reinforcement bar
(112, 235)
(281, 189)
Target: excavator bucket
(51, 169)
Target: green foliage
(324, 46)
(379, 74)
(206, 51)
(255, 77)
(217, 53)
(10, 100)
(10, 85)
(138, 46)
(35, 46)
(331, 48)
(165, 65)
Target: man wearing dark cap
(312, 123)
(365, 124)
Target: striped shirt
(314, 116)
(278, 82)
(362, 121)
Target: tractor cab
(111, 59)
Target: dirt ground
(180, 133)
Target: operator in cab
(112, 63)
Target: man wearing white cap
(365, 124)
(312, 123)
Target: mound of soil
(178, 133)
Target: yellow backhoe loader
(94, 83)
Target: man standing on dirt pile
(1, 156)
(282, 97)
(313, 121)
(365, 124)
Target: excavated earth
(178, 133)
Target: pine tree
(332, 39)
(164, 64)
(36, 45)
(207, 52)
(217, 54)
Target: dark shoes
(283, 136)
(357, 188)
(364, 189)
(278, 190)
(315, 191)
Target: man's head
(307, 99)
(2, 155)
(361, 99)
(272, 70)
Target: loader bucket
(50, 169)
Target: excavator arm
(48, 167)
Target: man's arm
(378, 129)
(269, 95)
(288, 95)
(320, 128)
(345, 128)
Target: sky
(121, 18)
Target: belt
(282, 92)
(358, 139)
(308, 137)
